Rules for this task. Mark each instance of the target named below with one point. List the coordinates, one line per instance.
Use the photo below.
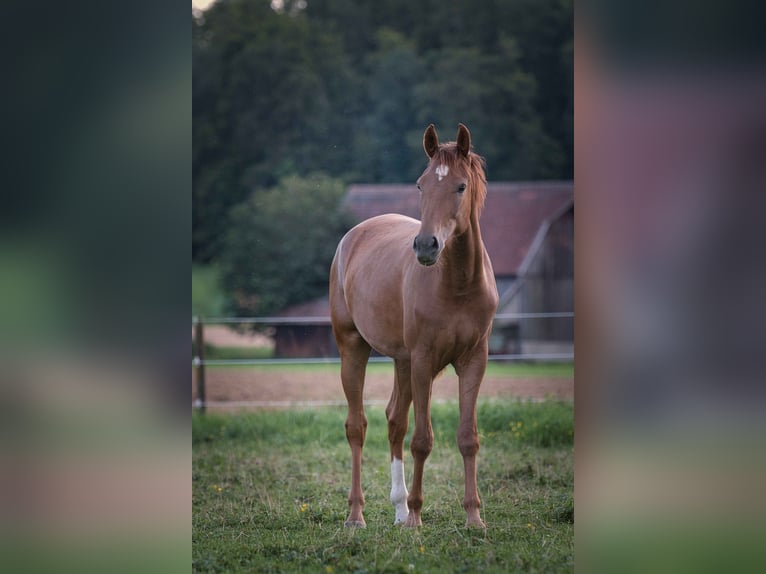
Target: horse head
(446, 188)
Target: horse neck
(465, 259)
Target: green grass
(525, 370)
(213, 352)
(270, 489)
(530, 369)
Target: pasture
(270, 493)
(240, 384)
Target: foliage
(268, 95)
(347, 87)
(280, 243)
(208, 298)
(269, 494)
(383, 147)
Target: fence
(199, 362)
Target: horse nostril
(425, 243)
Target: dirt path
(239, 386)
(222, 336)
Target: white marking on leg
(398, 491)
(442, 170)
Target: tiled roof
(316, 308)
(513, 213)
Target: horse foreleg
(470, 372)
(422, 439)
(354, 355)
(397, 413)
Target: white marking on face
(398, 491)
(442, 170)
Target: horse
(424, 294)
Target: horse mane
(473, 165)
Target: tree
(382, 150)
(271, 97)
(280, 243)
(346, 87)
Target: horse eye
(419, 188)
(461, 188)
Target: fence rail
(326, 320)
(199, 362)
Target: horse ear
(463, 140)
(430, 141)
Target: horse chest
(468, 326)
(448, 324)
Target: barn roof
(319, 307)
(513, 213)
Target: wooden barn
(528, 229)
(312, 338)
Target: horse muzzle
(427, 249)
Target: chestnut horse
(426, 310)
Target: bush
(280, 244)
(208, 299)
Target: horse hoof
(476, 523)
(355, 524)
(412, 523)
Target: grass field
(494, 369)
(270, 489)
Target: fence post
(199, 364)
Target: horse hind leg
(354, 353)
(397, 413)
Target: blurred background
(670, 158)
(94, 236)
(294, 101)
